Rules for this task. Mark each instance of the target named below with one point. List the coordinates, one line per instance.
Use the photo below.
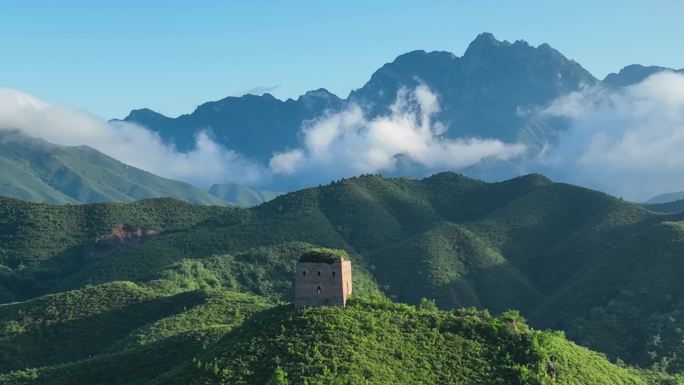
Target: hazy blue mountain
(667, 207)
(253, 125)
(666, 198)
(633, 74)
(482, 94)
(487, 92)
(35, 170)
(241, 196)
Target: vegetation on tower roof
(323, 255)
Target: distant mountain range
(667, 197)
(35, 170)
(253, 125)
(481, 95)
(634, 74)
(667, 207)
(484, 93)
(241, 196)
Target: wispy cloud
(336, 145)
(628, 142)
(132, 144)
(349, 143)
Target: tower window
(318, 290)
(319, 273)
(304, 272)
(333, 273)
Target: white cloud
(286, 163)
(341, 144)
(349, 143)
(132, 144)
(629, 142)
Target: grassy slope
(20, 182)
(127, 333)
(526, 243)
(34, 170)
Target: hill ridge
(462, 242)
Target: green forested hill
(605, 271)
(127, 333)
(35, 170)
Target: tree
(279, 377)
(427, 304)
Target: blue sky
(172, 55)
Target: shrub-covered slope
(566, 257)
(40, 244)
(152, 327)
(156, 333)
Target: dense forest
(169, 292)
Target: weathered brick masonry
(321, 283)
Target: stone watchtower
(323, 277)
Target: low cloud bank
(628, 142)
(341, 144)
(129, 143)
(349, 143)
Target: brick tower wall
(320, 284)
